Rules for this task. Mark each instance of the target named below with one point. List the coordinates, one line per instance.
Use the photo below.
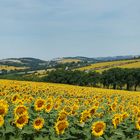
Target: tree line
(116, 78)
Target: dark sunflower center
(21, 120)
(61, 126)
(2, 110)
(20, 110)
(98, 127)
(38, 122)
(40, 103)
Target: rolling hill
(132, 63)
(30, 65)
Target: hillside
(20, 62)
(94, 59)
(34, 63)
(133, 63)
(33, 67)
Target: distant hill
(33, 64)
(21, 61)
(75, 59)
(82, 58)
(29, 63)
(116, 58)
(34, 69)
(96, 59)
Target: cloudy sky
(54, 28)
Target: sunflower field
(45, 111)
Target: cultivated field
(45, 111)
(100, 67)
(8, 68)
(63, 61)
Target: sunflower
(20, 101)
(39, 104)
(62, 115)
(121, 108)
(117, 115)
(2, 101)
(15, 98)
(138, 124)
(97, 104)
(38, 123)
(98, 128)
(21, 121)
(1, 121)
(20, 110)
(3, 109)
(93, 110)
(57, 105)
(50, 100)
(67, 109)
(138, 114)
(99, 115)
(60, 126)
(116, 121)
(48, 107)
(125, 115)
(113, 106)
(85, 116)
(75, 107)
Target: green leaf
(9, 128)
(53, 138)
(14, 138)
(41, 138)
(27, 130)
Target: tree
(129, 78)
(114, 77)
(136, 75)
(94, 78)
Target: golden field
(45, 111)
(63, 61)
(4, 67)
(100, 67)
(131, 65)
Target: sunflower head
(116, 121)
(20, 110)
(21, 121)
(15, 98)
(39, 104)
(98, 128)
(67, 109)
(60, 126)
(57, 105)
(38, 123)
(48, 107)
(85, 115)
(62, 115)
(113, 106)
(93, 110)
(3, 109)
(125, 115)
(75, 107)
(50, 100)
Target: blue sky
(55, 28)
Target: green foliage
(114, 78)
(73, 77)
